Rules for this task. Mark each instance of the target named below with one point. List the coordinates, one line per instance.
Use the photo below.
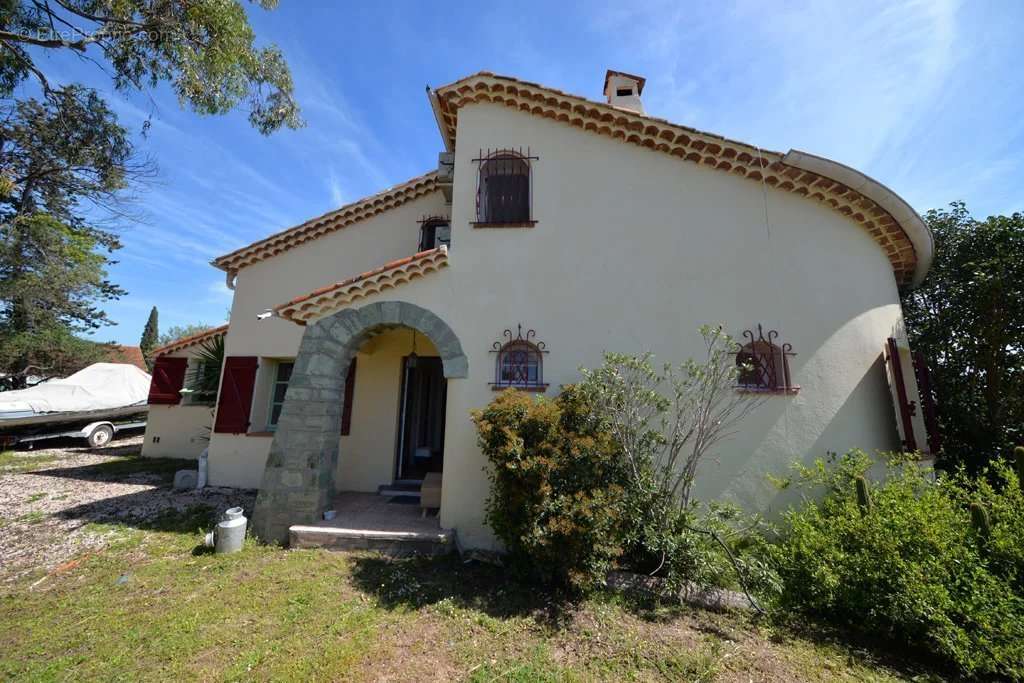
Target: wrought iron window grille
(519, 362)
(504, 188)
(764, 363)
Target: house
(128, 355)
(179, 424)
(554, 229)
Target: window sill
(780, 391)
(511, 224)
(537, 388)
(259, 433)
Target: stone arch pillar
(298, 480)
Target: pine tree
(150, 334)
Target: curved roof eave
(893, 224)
(916, 229)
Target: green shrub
(569, 506)
(557, 487)
(913, 568)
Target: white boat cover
(101, 386)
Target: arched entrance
(298, 480)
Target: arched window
(520, 362)
(763, 363)
(503, 195)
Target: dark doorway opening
(421, 418)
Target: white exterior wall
(177, 431)
(238, 459)
(633, 250)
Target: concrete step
(393, 543)
(391, 493)
(410, 489)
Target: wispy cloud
(851, 81)
(924, 95)
(334, 187)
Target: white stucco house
(553, 229)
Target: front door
(421, 417)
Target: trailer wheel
(100, 436)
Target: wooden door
(422, 410)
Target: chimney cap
(640, 80)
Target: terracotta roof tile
(185, 342)
(327, 299)
(784, 172)
(328, 222)
(129, 355)
(774, 169)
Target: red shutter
(235, 400)
(350, 387)
(168, 378)
(904, 408)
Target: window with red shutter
(350, 387)
(168, 378)
(236, 390)
(905, 408)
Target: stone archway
(298, 480)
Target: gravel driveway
(49, 497)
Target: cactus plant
(863, 495)
(1018, 458)
(980, 520)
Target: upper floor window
(520, 362)
(764, 363)
(434, 232)
(503, 191)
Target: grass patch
(154, 606)
(34, 517)
(13, 461)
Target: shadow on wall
(868, 403)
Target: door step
(410, 489)
(391, 493)
(392, 543)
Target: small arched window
(764, 364)
(520, 362)
(503, 196)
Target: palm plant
(203, 378)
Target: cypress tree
(150, 333)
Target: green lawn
(155, 606)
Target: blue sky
(927, 97)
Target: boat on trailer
(93, 403)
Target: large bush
(602, 475)
(557, 487)
(906, 561)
